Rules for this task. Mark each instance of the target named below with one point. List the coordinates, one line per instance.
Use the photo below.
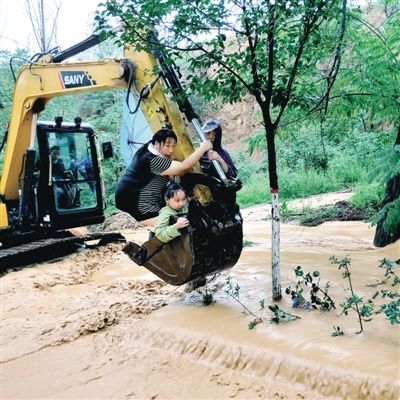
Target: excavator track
(49, 248)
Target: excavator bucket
(211, 244)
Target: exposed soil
(340, 211)
(119, 221)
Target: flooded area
(94, 325)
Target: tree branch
(313, 110)
(377, 33)
(271, 43)
(253, 64)
(336, 60)
(218, 22)
(197, 47)
(53, 32)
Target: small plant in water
(389, 273)
(319, 297)
(337, 331)
(256, 321)
(353, 302)
(280, 315)
(391, 309)
(233, 291)
(208, 298)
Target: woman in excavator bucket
(140, 190)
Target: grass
(254, 191)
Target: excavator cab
(212, 243)
(66, 176)
(59, 187)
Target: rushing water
(93, 326)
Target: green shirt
(164, 231)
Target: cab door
(70, 190)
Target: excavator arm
(36, 85)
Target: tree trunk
(42, 27)
(392, 192)
(275, 234)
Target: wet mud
(94, 325)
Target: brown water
(93, 326)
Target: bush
(368, 196)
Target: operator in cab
(57, 163)
(140, 190)
(66, 193)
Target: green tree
(377, 82)
(367, 96)
(237, 48)
(363, 106)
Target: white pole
(275, 249)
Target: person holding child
(139, 191)
(176, 204)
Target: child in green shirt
(175, 198)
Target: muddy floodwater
(93, 325)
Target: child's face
(177, 201)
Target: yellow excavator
(51, 177)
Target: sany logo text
(72, 79)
